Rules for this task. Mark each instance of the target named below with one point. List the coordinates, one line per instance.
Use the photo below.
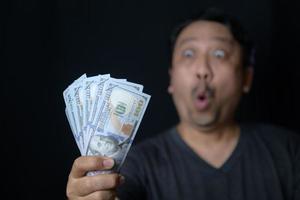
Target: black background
(45, 45)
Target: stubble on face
(210, 115)
(185, 97)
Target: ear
(170, 87)
(248, 78)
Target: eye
(188, 53)
(219, 53)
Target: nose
(204, 70)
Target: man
(208, 155)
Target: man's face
(207, 76)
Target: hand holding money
(99, 187)
(104, 114)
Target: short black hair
(235, 27)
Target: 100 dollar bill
(104, 114)
(121, 113)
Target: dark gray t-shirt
(265, 165)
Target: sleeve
(133, 187)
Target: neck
(197, 136)
(214, 145)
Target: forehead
(205, 31)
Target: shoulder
(275, 137)
(269, 131)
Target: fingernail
(109, 163)
(121, 179)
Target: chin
(206, 120)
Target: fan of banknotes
(104, 114)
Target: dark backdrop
(45, 45)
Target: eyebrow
(221, 39)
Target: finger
(90, 184)
(84, 164)
(102, 195)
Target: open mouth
(202, 97)
(202, 101)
